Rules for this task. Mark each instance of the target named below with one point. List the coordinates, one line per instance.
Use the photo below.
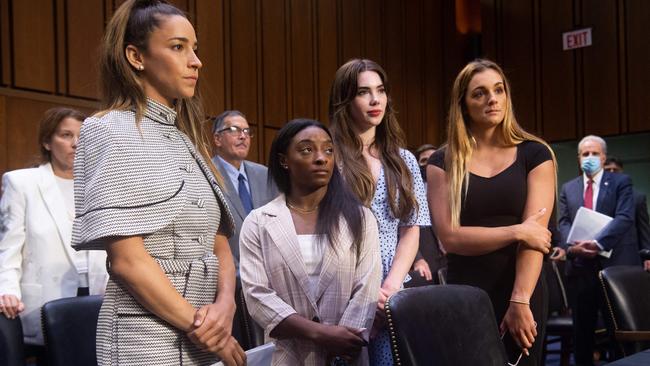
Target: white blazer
(36, 259)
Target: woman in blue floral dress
(384, 176)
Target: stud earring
(140, 67)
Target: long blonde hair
(388, 140)
(461, 144)
(119, 82)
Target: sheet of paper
(587, 225)
(258, 356)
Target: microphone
(645, 254)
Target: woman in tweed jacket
(310, 265)
(145, 194)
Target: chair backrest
(444, 326)
(557, 297)
(12, 352)
(69, 329)
(627, 293)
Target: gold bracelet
(520, 302)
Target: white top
(66, 186)
(311, 249)
(595, 185)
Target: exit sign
(576, 39)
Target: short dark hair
(48, 125)
(339, 199)
(614, 160)
(423, 148)
(218, 121)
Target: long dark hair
(339, 201)
(389, 138)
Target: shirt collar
(233, 172)
(160, 112)
(596, 178)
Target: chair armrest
(632, 335)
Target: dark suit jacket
(261, 193)
(642, 222)
(615, 199)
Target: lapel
(332, 258)
(283, 235)
(207, 172)
(576, 195)
(231, 192)
(56, 207)
(603, 191)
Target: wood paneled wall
(272, 59)
(275, 59)
(564, 95)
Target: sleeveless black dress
(493, 202)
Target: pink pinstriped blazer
(276, 285)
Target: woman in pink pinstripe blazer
(310, 265)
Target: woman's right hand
(10, 306)
(534, 235)
(341, 341)
(229, 351)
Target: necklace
(301, 210)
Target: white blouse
(311, 249)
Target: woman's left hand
(521, 325)
(212, 320)
(386, 291)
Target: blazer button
(316, 319)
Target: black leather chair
(12, 352)
(559, 327)
(447, 325)
(69, 328)
(627, 293)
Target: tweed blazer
(262, 192)
(148, 180)
(37, 263)
(276, 284)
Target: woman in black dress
(491, 191)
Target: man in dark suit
(641, 220)
(609, 194)
(246, 183)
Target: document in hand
(587, 225)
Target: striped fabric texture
(148, 180)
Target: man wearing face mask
(609, 194)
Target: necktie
(589, 195)
(244, 195)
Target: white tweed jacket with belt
(148, 180)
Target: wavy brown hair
(461, 144)
(389, 138)
(119, 81)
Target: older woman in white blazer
(310, 265)
(37, 263)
